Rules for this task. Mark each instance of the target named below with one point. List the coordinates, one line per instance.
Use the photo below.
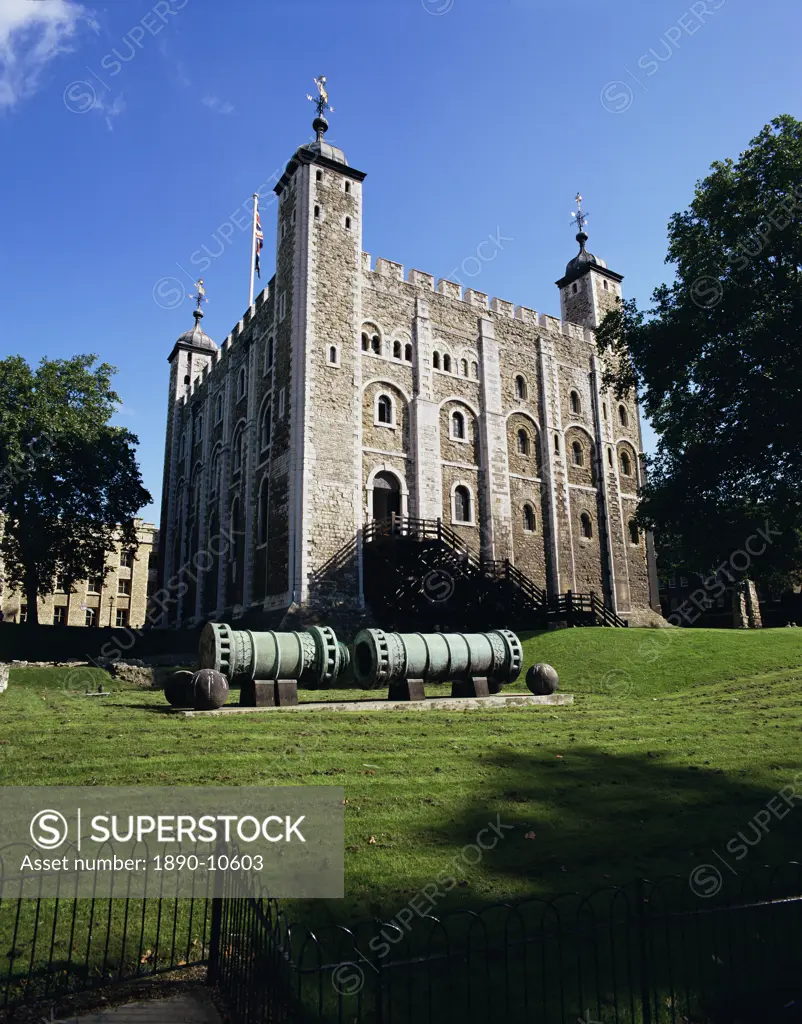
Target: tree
(717, 363)
(68, 479)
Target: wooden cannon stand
(470, 686)
(268, 693)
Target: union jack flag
(260, 242)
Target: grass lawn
(676, 739)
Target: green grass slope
(676, 739)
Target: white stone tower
(318, 298)
(192, 353)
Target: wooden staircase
(419, 575)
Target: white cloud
(33, 33)
(181, 73)
(109, 110)
(217, 105)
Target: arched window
(214, 479)
(238, 450)
(475, 370)
(365, 343)
(268, 354)
(520, 388)
(530, 522)
(265, 427)
(626, 464)
(586, 526)
(634, 534)
(408, 352)
(577, 455)
(264, 511)
(384, 409)
(623, 416)
(218, 407)
(241, 383)
(576, 405)
(333, 360)
(462, 505)
(523, 444)
(436, 360)
(376, 344)
(236, 528)
(447, 362)
(574, 288)
(606, 286)
(396, 350)
(458, 425)
(464, 367)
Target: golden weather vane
(579, 217)
(322, 101)
(200, 295)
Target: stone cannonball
(542, 680)
(178, 689)
(209, 690)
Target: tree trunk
(31, 595)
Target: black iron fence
(645, 953)
(53, 947)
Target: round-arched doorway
(386, 496)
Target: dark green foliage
(68, 477)
(717, 362)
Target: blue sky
(134, 132)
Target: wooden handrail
(568, 604)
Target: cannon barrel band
(382, 658)
(314, 656)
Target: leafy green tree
(68, 479)
(717, 363)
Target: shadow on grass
(714, 936)
(602, 816)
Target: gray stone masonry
(552, 462)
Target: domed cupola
(589, 288)
(584, 259)
(319, 152)
(197, 337)
(197, 340)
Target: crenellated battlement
(419, 280)
(217, 367)
(385, 389)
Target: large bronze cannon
(477, 664)
(268, 666)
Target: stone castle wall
(342, 334)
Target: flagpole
(253, 246)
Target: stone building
(119, 599)
(350, 391)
